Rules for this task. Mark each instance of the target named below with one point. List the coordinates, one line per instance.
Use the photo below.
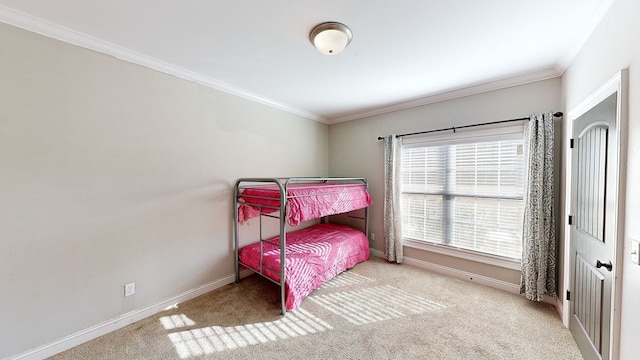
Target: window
(465, 193)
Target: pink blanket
(314, 255)
(305, 201)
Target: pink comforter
(305, 202)
(314, 255)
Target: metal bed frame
(279, 212)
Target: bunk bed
(301, 260)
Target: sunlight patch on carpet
(176, 321)
(214, 339)
(346, 279)
(374, 304)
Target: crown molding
(64, 34)
(544, 74)
(52, 30)
(599, 8)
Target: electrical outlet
(635, 252)
(373, 237)
(129, 289)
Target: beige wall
(355, 151)
(112, 173)
(612, 47)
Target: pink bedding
(305, 202)
(314, 255)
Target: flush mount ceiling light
(330, 37)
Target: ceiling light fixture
(330, 38)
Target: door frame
(617, 84)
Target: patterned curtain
(392, 219)
(539, 232)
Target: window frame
(487, 134)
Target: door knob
(607, 266)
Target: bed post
(366, 211)
(235, 227)
(283, 243)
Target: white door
(593, 230)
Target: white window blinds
(465, 195)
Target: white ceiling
(403, 53)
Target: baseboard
(121, 321)
(558, 303)
(465, 275)
(456, 273)
(106, 327)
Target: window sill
(512, 264)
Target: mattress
(304, 201)
(314, 255)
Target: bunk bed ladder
(283, 235)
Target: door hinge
(571, 143)
(568, 295)
(570, 220)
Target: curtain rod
(557, 114)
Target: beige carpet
(373, 311)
